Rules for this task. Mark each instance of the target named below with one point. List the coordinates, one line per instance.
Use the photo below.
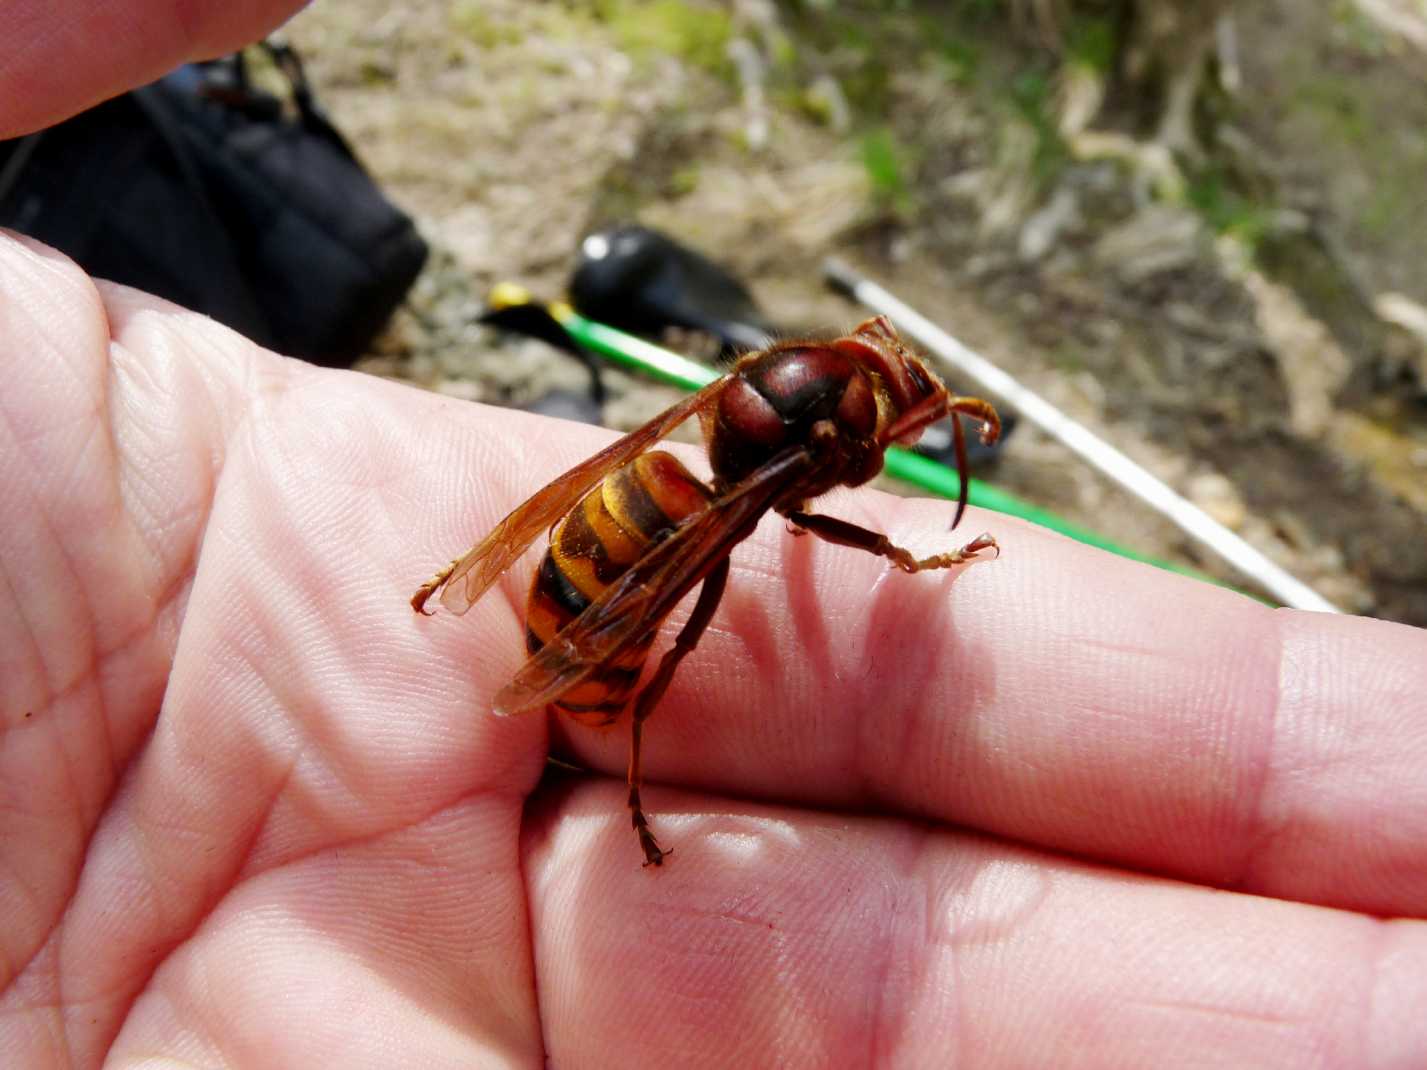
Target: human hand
(250, 809)
(253, 811)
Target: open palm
(253, 811)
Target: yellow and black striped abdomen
(594, 545)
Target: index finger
(58, 57)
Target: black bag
(199, 189)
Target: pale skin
(1046, 809)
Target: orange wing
(641, 598)
(462, 585)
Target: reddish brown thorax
(839, 397)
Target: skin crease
(1053, 808)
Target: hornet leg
(427, 589)
(844, 534)
(689, 635)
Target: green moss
(869, 41)
(1031, 97)
(1334, 100)
(1068, 358)
(887, 162)
(958, 59)
(979, 10)
(1359, 32)
(470, 19)
(1392, 160)
(373, 73)
(808, 103)
(1227, 210)
(1397, 197)
(684, 181)
(697, 33)
(783, 56)
(1091, 41)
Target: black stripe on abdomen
(558, 589)
(627, 498)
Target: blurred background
(1197, 227)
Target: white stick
(1195, 522)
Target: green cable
(659, 363)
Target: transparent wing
(463, 584)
